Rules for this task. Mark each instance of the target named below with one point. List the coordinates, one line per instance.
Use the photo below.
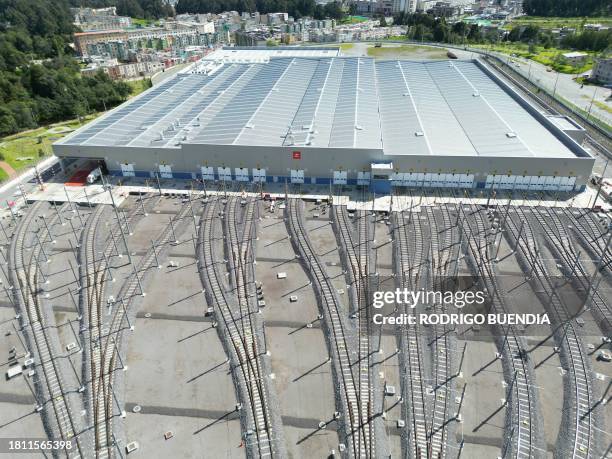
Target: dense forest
(144, 9)
(428, 28)
(567, 8)
(295, 8)
(40, 81)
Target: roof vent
(476, 94)
(511, 135)
(419, 134)
(358, 127)
(406, 94)
(249, 126)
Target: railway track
(241, 272)
(593, 236)
(596, 135)
(444, 251)
(111, 339)
(240, 342)
(359, 263)
(576, 435)
(25, 281)
(521, 397)
(410, 267)
(560, 243)
(330, 304)
(94, 266)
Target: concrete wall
(320, 162)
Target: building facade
(342, 120)
(602, 71)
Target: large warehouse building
(318, 117)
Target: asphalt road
(567, 88)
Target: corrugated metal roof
(400, 107)
(253, 54)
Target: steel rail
(240, 249)
(26, 290)
(560, 243)
(246, 375)
(358, 274)
(328, 299)
(410, 262)
(581, 431)
(521, 404)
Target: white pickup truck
(94, 175)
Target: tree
(8, 125)
(383, 22)
(567, 8)
(515, 34)
(532, 48)
(130, 8)
(333, 10)
(440, 32)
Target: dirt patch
(6, 167)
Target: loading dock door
(549, 185)
(398, 179)
(127, 170)
(297, 176)
(508, 182)
(363, 178)
(340, 177)
(242, 174)
(537, 183)
(522, 183)
(259, 175)
(165, 171)
(225, 174)
(412, 179)
(466, 181)
(208, 173)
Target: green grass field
(407, 52)
(24, 149)
(543, 56)
(605, 107)
(138, 86)
(555, 23)
(353, 20)
(27, 148)
(143, 22)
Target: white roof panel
(399, 107)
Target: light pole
(591, 105)
(555, 88)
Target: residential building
(602, 71)
(575, 58)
